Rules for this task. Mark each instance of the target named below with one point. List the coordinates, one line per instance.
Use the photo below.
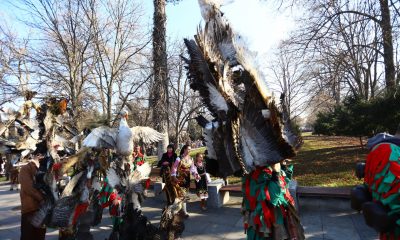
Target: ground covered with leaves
(328, 161)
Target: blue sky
(258, 21)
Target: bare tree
(119, 45)
(64, 60)
(15, 69)
(183, 102)
(293, 77)
(341, 22)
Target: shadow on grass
(321, 165)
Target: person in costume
(268, 207)
(138, 160)
(108, 197)
(201, 185)
(138, 157)
(180, 173)
(382, 175)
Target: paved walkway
(328, 219)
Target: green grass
(328, 161)
(3, 179)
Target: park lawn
(328, 161)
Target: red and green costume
(106, 198)
(138, 159)
(268, 207)
(382, 176)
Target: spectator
(201, 185)
(166, 161)
(13, 172)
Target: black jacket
(165, 158)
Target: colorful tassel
(265, 200)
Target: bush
(357, 117)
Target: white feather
(96, 185)
(124, 141)
(216, 99)
(206, 7)
(89, 172)
(258, 151)
(71, 185)
(58, 140)
(76, 138)
(208, 134)
(266, 113)
(28, 145)
(25, 153)
(101, 137)
(146, 134)
(246, 59)
(144, 170)
(113, 178)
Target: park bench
(219, 194)
(337, 192)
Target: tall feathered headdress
(248, 130)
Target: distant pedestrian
(13, 171)
(30, 201)
(2, 161)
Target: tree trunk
(159, 101)
(109, 105)
(387, 45)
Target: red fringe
(81, 208)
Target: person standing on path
(30, 200)
(201, 185)
(165, 164)
(180, 173)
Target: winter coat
(166, 158)
(30, 196)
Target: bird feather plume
(222, 69)
(146, 134)
(113, 178)
(101, 137)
